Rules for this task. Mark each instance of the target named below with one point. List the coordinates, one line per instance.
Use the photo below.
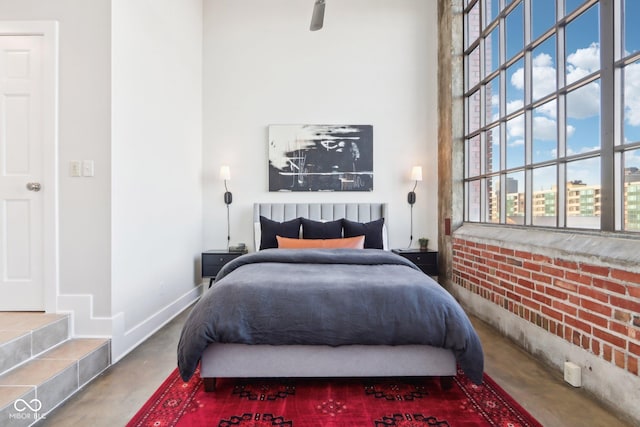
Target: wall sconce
(225, 175)
(416, 175)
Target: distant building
(582, 201)
(544, 202)
(632, 199)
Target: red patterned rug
(375, 402)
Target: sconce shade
(225, 173)
(416, 173)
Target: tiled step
(41, 367)
(25, 335)
(49, 379)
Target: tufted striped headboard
(360, 212)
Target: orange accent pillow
(346, 243)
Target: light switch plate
(75, 168)
(87, 168)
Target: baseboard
(124, 341)
(83, 322)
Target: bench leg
(209, 384)
(446, 383)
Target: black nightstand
(213, 260)
(427, 260)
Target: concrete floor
(116, 395)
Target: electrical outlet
(87, 168)
(75, 168)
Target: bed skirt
(249, 361)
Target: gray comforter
(327, 296)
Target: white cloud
(632, 158)
(576, 74)
(517, 78)
(587, 149)
(495, 136)
(588, 171)
(516, 143)
(495, 106)
(548, 109)
(543, 60)
(514, 105)
(632, 94)
(544, 75)
(515, 127)
(582, 62)
(584, 102)
(544, 128)
(571, 152)
(581, 103)
(544, 80)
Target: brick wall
(595, 307)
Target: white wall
(84, 134)
(157, 158)
(130, 98)
(374, 62)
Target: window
(552, 105)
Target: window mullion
(607, 110)
(561, 206)
(561, 194)
(503, 198)
(575, 86)
(484, 197)
(528, 115)
(618, 179)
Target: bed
(370, 302)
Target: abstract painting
(320, 158)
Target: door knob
(33, 186)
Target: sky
(582, 105)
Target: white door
(21, 173)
